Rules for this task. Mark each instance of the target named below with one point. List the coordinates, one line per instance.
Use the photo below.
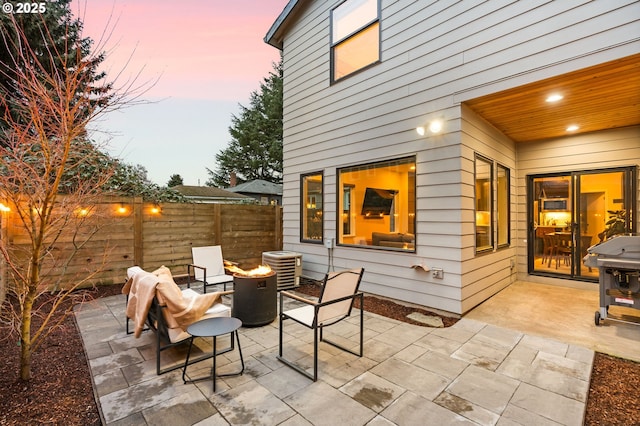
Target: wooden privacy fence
(129, 232)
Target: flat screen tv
(377, 202)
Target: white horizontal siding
(435, 54)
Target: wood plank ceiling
(601, 97)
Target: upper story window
(355, 37)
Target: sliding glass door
(571, 211)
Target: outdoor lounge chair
(170, 310)
(338, 294)
(208, 267)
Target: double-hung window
(355, 37)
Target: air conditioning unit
(288, 266)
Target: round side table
(214, 327)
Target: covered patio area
(492, 365)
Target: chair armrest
(189, 267)
(224, 293)
(296, 297)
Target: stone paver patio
(471, 373)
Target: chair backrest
(209, 257)
(337, 285)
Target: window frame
(479, 215)
(411, 215)
(350, 36)
(304, 206)
(507, 171)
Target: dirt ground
(61, 392)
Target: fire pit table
(254, 298)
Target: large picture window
(311, 208)
(355, 37)
(378, 205)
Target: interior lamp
(482, 218)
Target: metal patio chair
(338, 294)
(208, 267)
(159, 319)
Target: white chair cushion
(219, 279)
(218, 310)
(303, 314)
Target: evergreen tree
(55, 48)
(175, 180)
(255, 150)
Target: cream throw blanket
(181, 311)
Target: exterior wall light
(122, 209)
(156, 209)
(82, 211)
(4, 208)
(435, 126)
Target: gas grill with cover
(618, 262)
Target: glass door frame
(630, 202)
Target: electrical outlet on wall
(437, 272)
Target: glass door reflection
(573, 211)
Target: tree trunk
(25, 339)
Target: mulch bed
(61, 393)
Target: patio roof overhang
(600, 97)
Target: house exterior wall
(434, 56)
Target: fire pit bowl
(254, 298)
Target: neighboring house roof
(257, 186)
(207, 193)
(274, 35)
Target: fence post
(217, 225)
(138, 253)
(278, 228)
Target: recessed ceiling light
(555, 97)
(572, 128)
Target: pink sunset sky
(199, 59)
